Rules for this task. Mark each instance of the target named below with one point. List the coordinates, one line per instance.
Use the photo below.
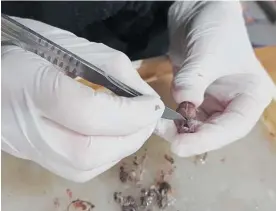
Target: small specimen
(133, 172)
(118, 197)
(163, 197)
(148, 196)
(135, 161)
(164, 188)
(127, 203)
(201, 158)
(156, 196)
(159, 195)
(187, 110)
(169, 158)
(80, 205)
(222, 160)
(123, 175)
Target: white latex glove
(64, 126)
(215, 69)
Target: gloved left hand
(216, 70)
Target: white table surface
(239, 177)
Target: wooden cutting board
(267, 56)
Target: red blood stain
(79, 204)
(69, 193)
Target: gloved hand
(61, 124)
(216, 70)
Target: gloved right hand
(67, 127)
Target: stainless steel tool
(70, 64)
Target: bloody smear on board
(79, 204)
(69, 193)
(82, 205)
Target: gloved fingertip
(190, 86)
(193, 96)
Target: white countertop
(239, 177)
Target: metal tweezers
(15, 33)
